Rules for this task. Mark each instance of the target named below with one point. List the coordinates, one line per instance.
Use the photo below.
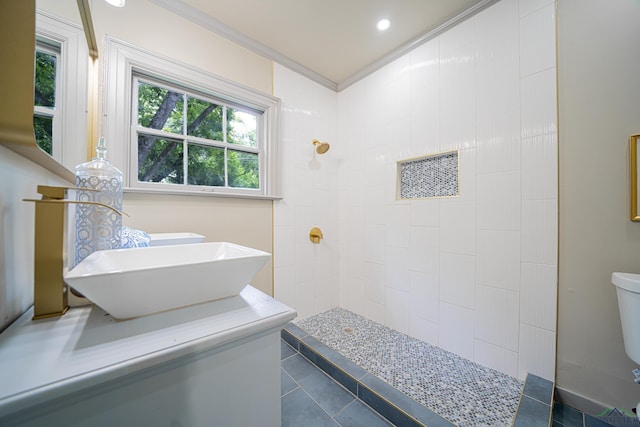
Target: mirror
(60, 39)
(635, 186)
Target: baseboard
(579, 402)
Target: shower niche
(434, 175)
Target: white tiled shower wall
(476, 274)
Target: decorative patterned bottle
(97, 228)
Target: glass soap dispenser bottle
(97, 228)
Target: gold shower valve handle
(315, 235)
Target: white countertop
(47, 358)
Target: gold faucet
(50, 293)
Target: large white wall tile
(285, 290)
(397, 309)
(538, 295)
(456, 330)
(352, 296)
(423, 330)
(457, 87)
(424, 99)
(536, 353)
(374, 203)
(374, 243)
(467, 173)
(374, 168)
(425, 249)
(498, 89)
(538, 104)
(304, 304)
(457, 279)
(424, 296)
(499, 201)
(374, 311)
(284, 246)
(457, 227)
(374, 282)
(540, 167)
(397, 268)
(539, 237)
(529, 6)
(398, 144)
(496, 357)
(498, 148)
(498, 259)
(537, 41)
(496, 317)
(397, 226)
(398, 95)
(425, 213)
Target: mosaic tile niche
(429, 176)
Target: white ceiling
(334, 42)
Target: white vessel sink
(134, 282)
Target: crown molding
(194, 15)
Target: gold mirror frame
(635, 187)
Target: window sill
(205, 193)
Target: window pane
(45, 81)
(43, 128)
(241, 128)
(159, 108)
(206, 165)
(160, 160)
(204, 119)
(243, 169)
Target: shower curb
(534, 406)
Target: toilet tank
(165, 239)
(628, 290)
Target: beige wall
(599, 93)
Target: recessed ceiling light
(383, 24)
(116, 3)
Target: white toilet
(628, 290)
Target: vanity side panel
(239, 385)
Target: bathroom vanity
(211, 364)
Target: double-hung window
(194, 139)
(188, 131)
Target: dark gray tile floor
(311, 398)
(566, 416)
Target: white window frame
(69, 140)
(51, 47)
(123, 61)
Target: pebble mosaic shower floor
(465, 393)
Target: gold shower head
(321, 147)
